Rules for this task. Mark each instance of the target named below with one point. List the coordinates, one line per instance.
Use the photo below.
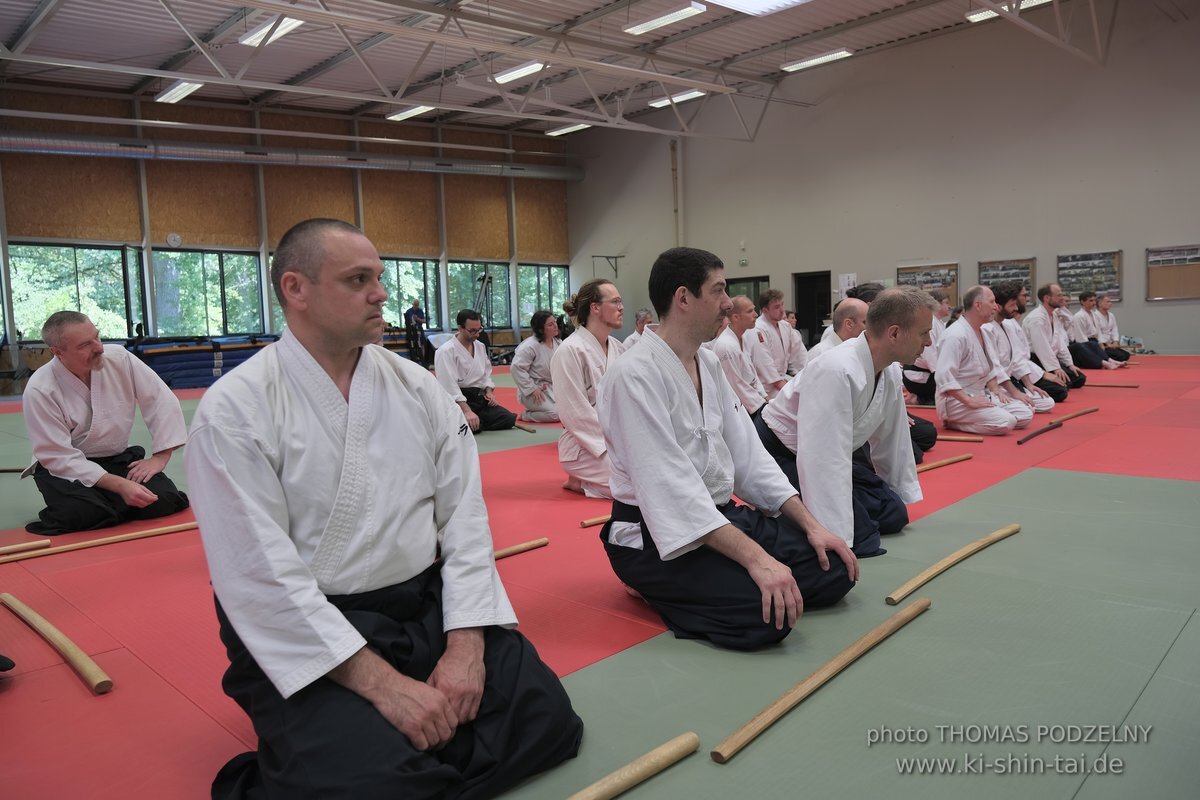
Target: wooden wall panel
(207, 204)
(230, 117)
(66, 104)
(400, 212)
(71, 197)
(301, 122)
(295, 194)
(541, 216)
(477, 217)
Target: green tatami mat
(1054, 646)
(1166, 767)
(495, 441)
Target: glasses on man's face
(614, 301)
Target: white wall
(979, 145)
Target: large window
(483, 287)
(199, 293)
(91, 280)
(541, 287)
(406, 280)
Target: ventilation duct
(52, 144)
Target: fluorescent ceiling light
(682, 97)
(568, 129)
(408, 112)
(813, 61)
(690, 10)
(177, 91)
(980, 14)
(760, 8)
(255, 36)
(510, 75)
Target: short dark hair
(767, 296)
(52, 330)
(1043, 291)
(897, 306)
(1086, 296)
(538, 323)
(580, 304)
(466, 314)
(1007, 290)
(679, 266)
(866, 292)
(302, 249)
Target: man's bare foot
(573, 484)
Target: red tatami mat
(141, 740)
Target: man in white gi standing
(464, 370)
(713, 570)
(733, 350)
(576, 369)
(368, 633)
(776, 348)
(79, 411)
(973, 393)
(848, 397)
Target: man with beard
(1012, 348)
(1048, 345)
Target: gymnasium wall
(980, 145)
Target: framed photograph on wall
(1015, 269)
(1173, 273)
(937, 276)
(1091, 272)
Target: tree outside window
(50, 278)
(200, 293)
(405, 280)
(541, 286)
(464, 280)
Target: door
(812, 293)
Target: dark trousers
(1057, 391)
(1087, 355)
(877, 509)
(704, 595)
(491, 418)
(1117, 353)
(71, 506)
(1075, 378)
(924, 392)
(327, 743)
(923, 434)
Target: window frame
(220, 254)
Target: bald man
(849, 320)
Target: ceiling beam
(45, 10)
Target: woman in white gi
(576, 369)
(681, 446)
(531, 369)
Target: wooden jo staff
(525, 428)
(533, 544)
(945, 437)
(594, 521)
(123, 537)
(13, 470)
(80, 661)
(1111, 385)
(792, 697)
(948, 562)
(23, 546)
(944, 462)
(640, 769)
(1057, 423)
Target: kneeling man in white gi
(714, 570)
(970, 376)
(848, 397)
(369, 637)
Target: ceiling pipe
(169, 150)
